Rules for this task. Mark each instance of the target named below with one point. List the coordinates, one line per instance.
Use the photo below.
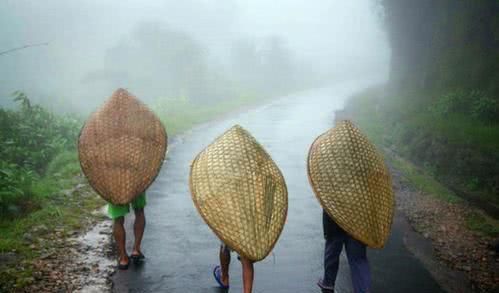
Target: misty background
(203, 51)
(435, 119)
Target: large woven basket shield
(240, 193)
(121, 148)
(352, 183)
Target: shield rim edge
(353, 235)
(228, 242)
(107, 198)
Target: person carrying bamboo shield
(353, 186)
(241, 194)
(121, 149)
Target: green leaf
(6, 172)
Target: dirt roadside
(459, 259)
(67, 260)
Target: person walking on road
(353, 185)
(240, 193)
(336, 238)
(221, 272)
(121, 149)
(118, 213)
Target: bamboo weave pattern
(240, 193)
(121, 148)
(352, 183)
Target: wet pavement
(181, 250)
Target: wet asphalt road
(181, 250)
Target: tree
(157, 62)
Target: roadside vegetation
(180, 114)
(36, 148)
(42, 189)
(438, 156)
(441, 107)
(443, 149)
(437, 120)
(38, 174)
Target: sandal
(217, 273)
(123, 266)
(137, 257)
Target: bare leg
(138, 230)
(248, 275)
(120, 238)
(224, 264)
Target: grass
(180, 114)
(423, 181)
(413, 110)
(55, 209)
(373, 128)
(456, 128)
(68, 212)
(59, 175)
(459, 129)
(53, 214)
(479, 145)
(482, 224)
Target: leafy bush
(482, 224)
(475, 103)
(15, 183)
(453, 102)
(484, 108)
(30, 138)
(63, 165)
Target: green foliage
(484, 107)
(30, 138)
(53, 213)
(63, 165)
(482, 224)
(442, 45)
(15, 184)
(50, 191)
(455, 148)
(475, 103)
(424, 181)
(38, 148)
(460, 117)
(453, 102)
(59, 175)
(179, 114)
(473, 184)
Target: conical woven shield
(352, 183)
(240, 193)
(121, 148)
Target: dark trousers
(356, 255)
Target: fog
(201, 50)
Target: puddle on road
(95, 252)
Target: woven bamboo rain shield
(352, 183)
(121, 148)
(240, 193)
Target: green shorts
(116, 211)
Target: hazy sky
(327, 34)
